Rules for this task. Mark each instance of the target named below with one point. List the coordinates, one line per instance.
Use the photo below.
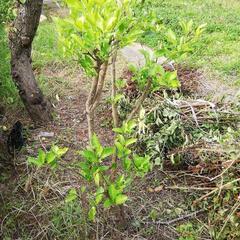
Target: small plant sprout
(71, 196)
(112, 180)
(48, 158)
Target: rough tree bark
(20, 40)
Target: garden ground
(160, 206)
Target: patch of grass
(45, 46)
(218, 49)
(47, 55)
(8, 92)
(6, 13)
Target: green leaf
(92, 214)
(40, 160)
(51, 159)
(96, 144)
(89, 155)
(121, 83)
(95, 141)
(71, 196)
(100, 190)
(112, 191)
(103, 168)
(41, 157)
(146, 55)
(61, 151)
(97, 178)
(117, 98)
(127, 152)
(130, 141)
(83, 189)
(120, 149)
(107, 203)
(120, 180)
(107, 151)
(121, 199)
(34, 161)
(171, 37)
(99, 195)
(138, 161)
(99, 198)
(131, 125)
(118, 130)
(127, 163)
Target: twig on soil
(225, 170)
(225, 186)
(190, 188)
(233, 210)
(140, 101)
(181, 218)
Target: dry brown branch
(225, 186)
(140, 100)
(181, 218)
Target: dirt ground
(153, 196)
(28, 198)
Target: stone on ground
(43, 18)
(132, 54)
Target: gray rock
(43, 18)
(133, 55)
(46, 134)
(51, 4)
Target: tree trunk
(20, 40)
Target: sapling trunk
(116, 122)
(115, 114)
(89, 102)
(95, 94)
(98, 94)
(90, 120)
(114, 107)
